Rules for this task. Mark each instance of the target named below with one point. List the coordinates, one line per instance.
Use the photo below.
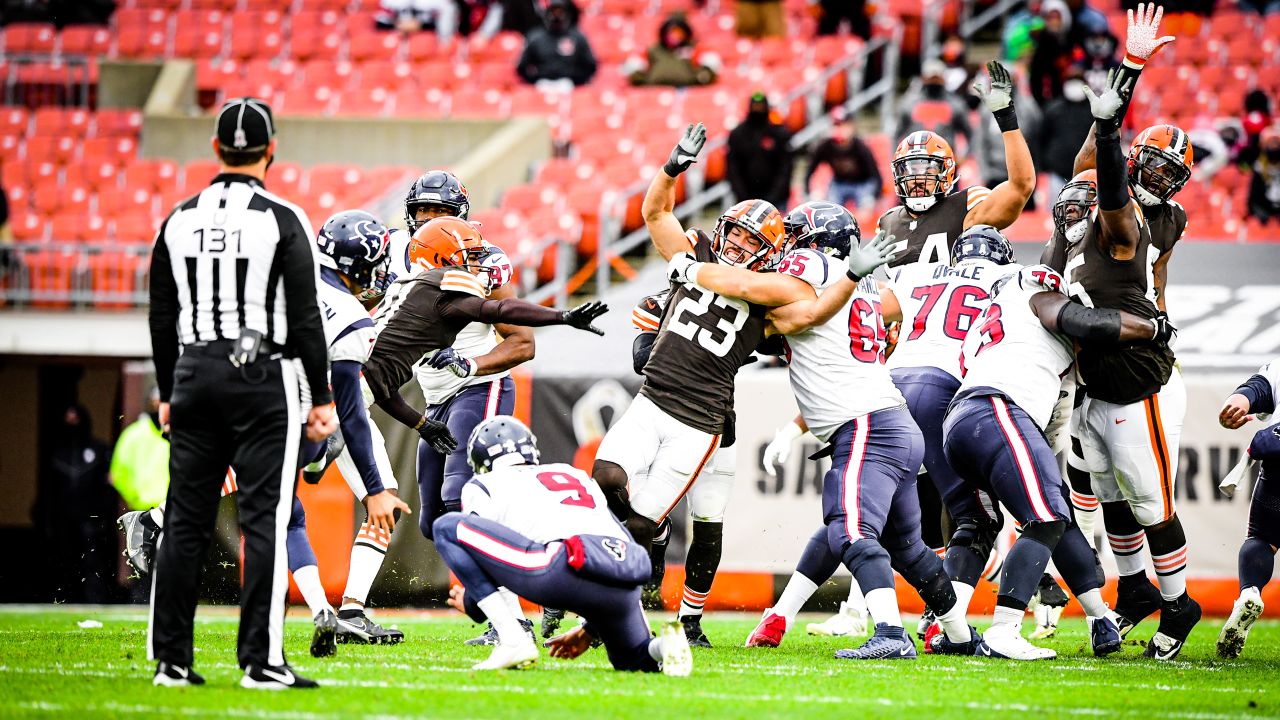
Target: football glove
(463, 367)
(1140, 41)
(1106, 107)
(864, 259)
(1165, 331)
(582, 316)
(999, 98)
(683, 268)
(778, 451)
(686, 151)
(437, 435)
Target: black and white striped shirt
(232, 257)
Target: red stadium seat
(154, 18)
(197, 43)
(126, 200)
(28, 227)
(77, 226)
(60, 149)
(338, 179)
(197, 174)
(264, 19)
(150, 174)
(372, 101)
(198, 19)
(99, 173)
(317, 43)
(133, 229)
(115, 123)
(13, 120)
(49, 276)
(61, 121)
(385, 74)
(505, 47)
(308, 100)
(564, 173)
(10, 144)
(373, 45)
(500, 75)
(141, 42)
(29, 38)
(114, 278)
(279, 6)
(411, 102)
(526, 199)
(307, 21)
(478, 104)
(90, 40)
(330, 73)
(285, 179)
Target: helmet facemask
(738, 251)
(1155, 176)
(920, 181)
(1075, 205)
(374, 284)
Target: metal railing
(47, 80)
(63, 276)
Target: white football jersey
(1009, 350)
(400, 267)
(1271, 372)
(939, 304)
(837, 369)
(348, 329)
(542, 502)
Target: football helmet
(924, 170)
(762, 221)
(453, 242)
(501, 441)
(824, 226)
(1076, 202)
(357, 244)
(982, 242)
(436, 187)
(1159, 164)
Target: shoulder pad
(810, 266)
(463, 282)
(1041, 277)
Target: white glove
(683, 268)
(778, 451)
(1140, 41)
(1000, 96)
(864, 259)
(1106, 105)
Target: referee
(243, 375)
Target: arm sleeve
(640, 349)
(354, 421)
(163, 315)
(512, 311)
(1259, 392)
(299, 270)
(1113, 192)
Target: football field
(52, 667)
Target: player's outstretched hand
(864, 259)
(1235, 412)
(582, 316)
(679, 266)
(1140, 41)
(1000, 95)
(382, 509)
(438, 436)
(686, 151)
(1106, 105)
(463, 367)
(569, 645)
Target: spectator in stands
(988, 140)
(1262, 7)
(1066, 124)
(410, 16)
(1208, 148)
(1233, 136)
(1257, 117)
(480, 18)
(928, 105)
(855, 174)
(1264, 186)
(1053, 51)
(760, 157)
(675, 59)
(1097, 55)
(1085, 20)
(1020, 30)
(831, 13)
(761, 19)
(558, 51)
(957, 76)
(140, 461)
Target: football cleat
(551, 619)
(651, 596)
(939, 644)
(769, 632)
(333, 447)
(888, 643)
(927, 619)
(1136, 600)
(490, 636)
(1104, 635)
(1177, 617)
(355, 627)
(1047, 606)
(693, 631)
(677, 658)
(1006, 642)
(849, 620)
(1244, 614)
(276, 677)
(324, 641)
(139, 541)
(515, 656)
(169, 675)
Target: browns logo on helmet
(924, 170)
(760, 243)
(1159, 164)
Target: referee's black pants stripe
(218, 421)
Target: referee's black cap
(245, 124)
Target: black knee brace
(976, 535)
(1045, 533)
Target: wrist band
(850, 274)
(1134, 61)
(671, 170)
(421, 421)
(1006, 118)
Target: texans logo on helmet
(371, 239)
(616, 547)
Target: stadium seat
(334, 178)
(46, 196)
(74, 226)
(308, 100)
(126, 200)
(141, 42)
(197, 43)
(115, 123)
(49, 276)
(61, 121)
(373, 45)
(320, 42)
(27, 227)
(150, 174)
(197, 174)
(14, 120)
(372, 101)
(414, 102)
(478, 104)
(88, 40)
(114, 277)
(59, 150)
(10, 144)
(29, 39)
(133, 229)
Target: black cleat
(1136, 600)
(1051, 593)
(939, 644)
(140, 536)
(651, 596)
(355, 627)
(169, 675)
(551, 619)
(1176, 620)
(693, 631)
(332, 449)
(324, 642)
(490, 636)
(277, 677)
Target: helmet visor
(919, 177)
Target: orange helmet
(762, 221)
(1075, 202)
(923, 157)
(449, 242)
(1159, 164)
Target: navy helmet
(499, 441)
(357, 244)
(982, 242)
(824, 226)
(436, 187)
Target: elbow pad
(1091, 324)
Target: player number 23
(692, 307)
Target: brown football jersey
(1118, 373)
(703, 339)
(930, 234)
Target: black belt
(269, 350)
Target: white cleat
(1047, 617)
(850, 621)
(515, 656)
(677, 658)
(1244, 614)
(1006, 641)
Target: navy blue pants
(485, 555)
(440, 478)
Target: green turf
(49, 667)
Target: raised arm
(1006, 201)
(862, 261)
(768, 289)
(1097, 325)
(660, 199)
(1120, 218)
